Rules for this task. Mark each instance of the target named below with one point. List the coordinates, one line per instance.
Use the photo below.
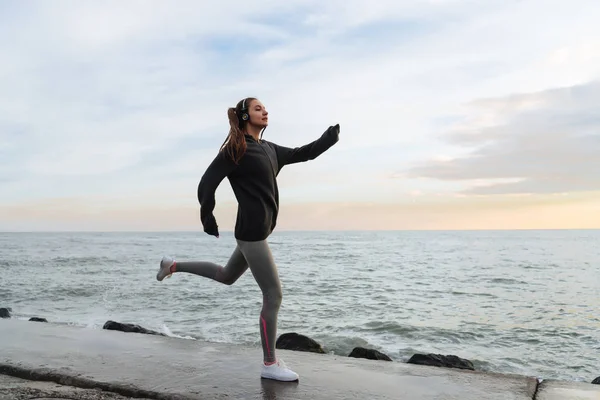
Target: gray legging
(257, 256)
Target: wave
(83, 260)
(509, 281)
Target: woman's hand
(210, 226)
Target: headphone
(244, 115)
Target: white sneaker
(164, 270)
(278, 371)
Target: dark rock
(118, 326)
(370, 354)
(38, 319)
(5, 312)
(596, 381)
(297, 342)
(438, 360)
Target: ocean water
(525, 302)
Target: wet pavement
(148, 366)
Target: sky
(454, 114)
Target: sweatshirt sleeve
(310, 151)
(220, 168)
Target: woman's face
(259, 116)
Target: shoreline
(130, 363)
(366, 352)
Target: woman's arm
(220, 167)
(287, 155)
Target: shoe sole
(166, 277)
(160, 268)
(279, 379)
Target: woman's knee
(228, 280)
(228, 276)
(273, 297)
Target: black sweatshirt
(254, 183)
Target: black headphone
(244, 114)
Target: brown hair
(235, 143)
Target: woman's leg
(263, 268)
(231, 272)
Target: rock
(5, 312)
(38, 319)
(297, 342)
(118, 326)
(596, 381)
(370, 354)
(439, 360)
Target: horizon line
(309, 230)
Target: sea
(524, 302)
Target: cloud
(116, 98)
(543, 142)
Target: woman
(251, 165)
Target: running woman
(251, 165)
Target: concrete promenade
(157, 367)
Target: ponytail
(235, 143)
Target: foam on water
(165, 329)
